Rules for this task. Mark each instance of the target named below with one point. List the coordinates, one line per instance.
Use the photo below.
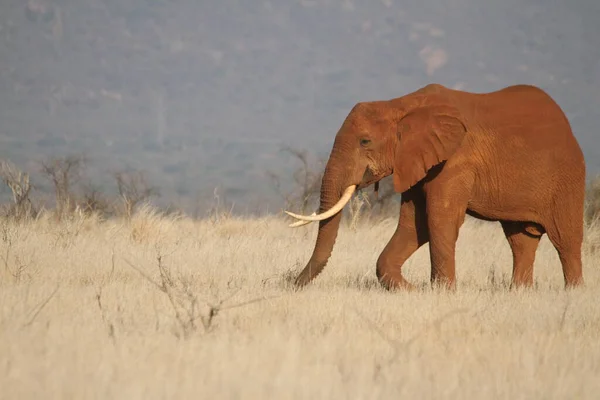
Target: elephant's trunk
(332, 187)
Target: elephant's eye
(365, 142)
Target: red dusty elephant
(507, 156)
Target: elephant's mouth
(367, 179)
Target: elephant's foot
(443, 275)
(572, 271)
(572, 283)
(444, 284)
(520, 282)
(391, 282)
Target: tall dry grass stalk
(156, 307)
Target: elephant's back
(526, 144)
(522, 117)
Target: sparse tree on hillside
(64, 172)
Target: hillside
(204, 94)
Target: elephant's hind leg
(568, 239)
(409, 236)
(523, 242)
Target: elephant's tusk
(332, 211)
(301, 223)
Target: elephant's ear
(427, 137)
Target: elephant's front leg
(410, 234)
(444, 219)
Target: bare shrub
(19, 184)
(133, 190)
(592, 199)
(306, 181)
(186, 305)
(64, 172)
(93, 201)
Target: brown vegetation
(133, 189)
(93, 286)
(172, 307)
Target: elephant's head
(405, 136)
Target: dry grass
(86, 311)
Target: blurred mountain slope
(203, 94)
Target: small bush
(592, 199)
(134, 190)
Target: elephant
(507, 156)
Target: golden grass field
(86, 312)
